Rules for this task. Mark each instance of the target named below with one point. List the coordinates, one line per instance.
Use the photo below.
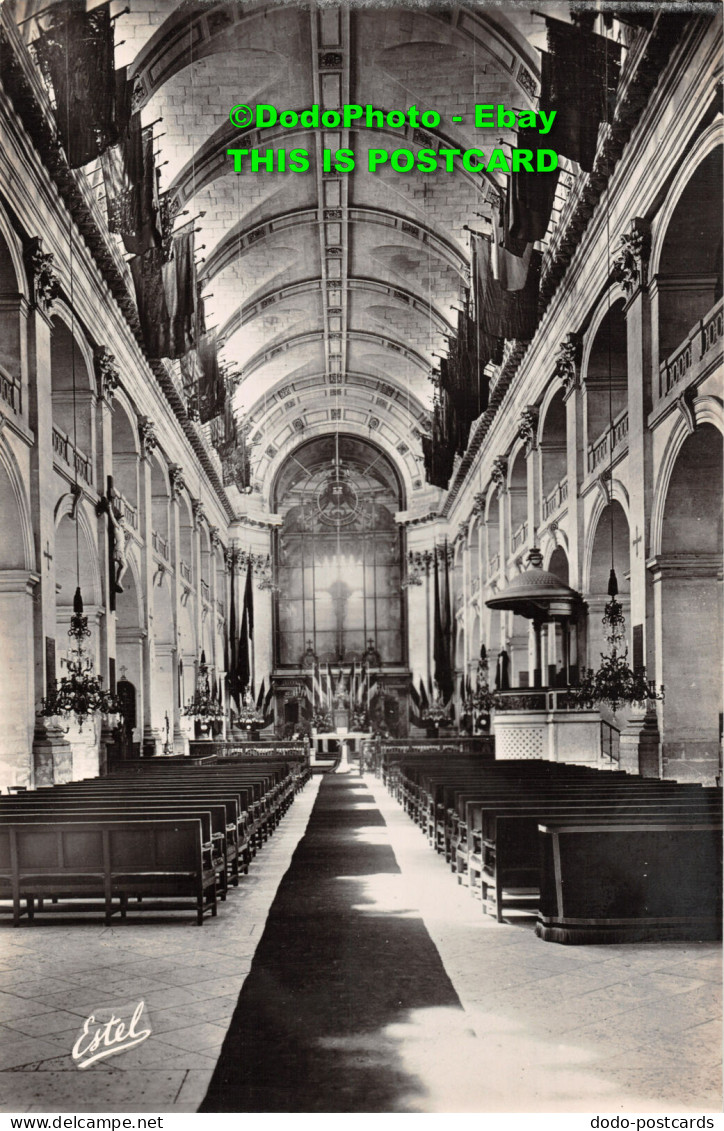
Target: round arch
(706, 410)
(14, 514)
(292, 445)
(709, 140)
(12, 245)
(617, 494)
(613, 294)
(82, 515)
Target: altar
(326, 748)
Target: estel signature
(98, 1041)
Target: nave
(398, 978)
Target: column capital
(147, 433)
(44, 282)
(178, 483)
(630, 266)
(528, 427)
(685, 565)
(568, 361)
(108, 377)
(499, 471)
(18, 580)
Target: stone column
(639, 738)
(171, 658)
(49, 744)
(687, 598)
(151, 736)
(528, 431)
(640, 438)
(568, 371)
(17, 689)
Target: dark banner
(76, 55)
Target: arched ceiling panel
(332, 293)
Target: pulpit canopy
(536, 593)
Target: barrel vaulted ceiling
(332, 293)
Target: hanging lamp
(203, 705)
(80, 693)
(614, 681)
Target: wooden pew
(480, 807)
(630, 881)
(510, 856)
(106, 860)
(91, 808)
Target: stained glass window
(338, 553)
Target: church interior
(361, 555)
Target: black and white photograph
(361, 458)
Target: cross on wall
(47, 554)
(636, 541)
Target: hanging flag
(530, 198)
(182, 295)
(129, 173)
(211, 388)
(511, 315)
(519, 313)
(582, 75)
(510, 267)
(232, 660)
(488, 301)
(166, 296)
(246, 675)
(441, 647)
(75, 54)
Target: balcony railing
(539, 699)
(130, 511)
(702, 338)
(519, 537)
(185, 570)
(10, 391)
(160, 544)
(556, 499)
(600, 450)
(76, 459)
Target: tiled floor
(550, 1028)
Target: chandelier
(204, 704)
(615, 682)
(417, 565)
(80, 692)
(248, 716)
(437, 711)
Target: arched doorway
(610, 547)
(688, 601)
(129, 664)
(17, 688)
(77, 566)
(165, 699)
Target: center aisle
(341, 964)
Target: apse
(338, 553)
